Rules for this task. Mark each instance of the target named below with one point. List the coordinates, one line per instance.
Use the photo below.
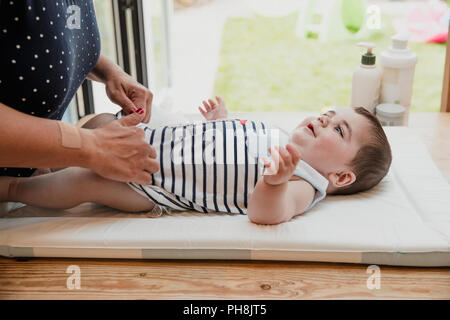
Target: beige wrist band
(70, 136)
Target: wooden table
(192, 279)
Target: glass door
(135, 35)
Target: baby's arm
(214, 111)
(275, 198)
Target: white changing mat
(405, 220)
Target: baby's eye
(340, 131)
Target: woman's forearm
(27, 141)
(269, 203)
(103, 69)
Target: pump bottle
(366, 81)
(397, 68)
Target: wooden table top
(193, 279)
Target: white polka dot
(41, 35)
(55, 37)
(60, 61)
(29, 7)
(62, 52)
(16, 19)
(51, 22)
(37, 18)
(61, 77)
(20, 78)
(46, 50)
(56, 96)
(24, 99)
(43, 102)
(57, 4)
(29, 37)
(33, 68)
(62, 33)
(13, 61)
(32, 112)
(5, 31)
(11, 3)
(48, 81)
(34, 90)
(49, 110)
(36, 56)
(18, 46)
(57, 15)
(65, 89)
(51, 66)
(43, 9)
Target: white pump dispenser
(366, 81)
(397, 67)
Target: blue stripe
(257, 157)
(193, 165)
(235, 168)
(215, 169)
(151, 198)
(204, 166)
(161, 150)
(172, 168)
(151, 143)
(182, 165)
(225, 166)
(246, 167)
(162, 194)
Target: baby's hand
(214, 111)
(282, 166)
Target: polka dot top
(47, 50)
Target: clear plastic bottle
(397, 68)
(366, 81)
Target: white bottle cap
(390, 110)
(400, 41)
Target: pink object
(243, 122)
(425, 23)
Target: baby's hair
(372, 161)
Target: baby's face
(326, 142)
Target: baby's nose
(323, 120)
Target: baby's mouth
(311, 127)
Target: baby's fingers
(296, 156)
(212, 103)
(207, 106)
(277, 160)
(203, 112)
(286, 156)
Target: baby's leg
(72, 186)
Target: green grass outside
(264, 66)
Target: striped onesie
(213, 166)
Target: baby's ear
(342, 179)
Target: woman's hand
(121, 88)
(119, 152)
(214, 111)
(280, 169)
(126, 92)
